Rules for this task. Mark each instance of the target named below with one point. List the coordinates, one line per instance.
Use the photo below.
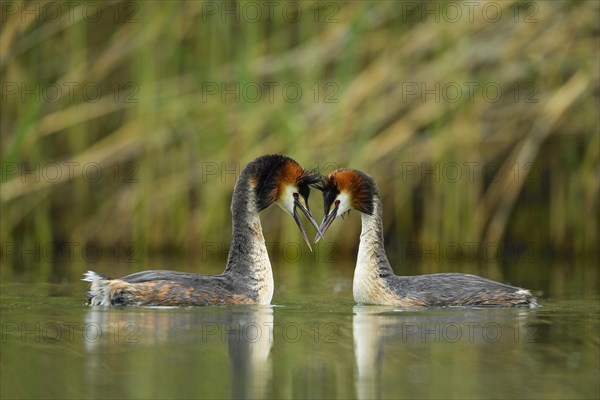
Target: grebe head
(281, 180)
(344, 190)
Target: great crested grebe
(248, 278)
(374, 280)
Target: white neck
(372, 266)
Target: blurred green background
(125, 124)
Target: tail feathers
(99, 294)
(92, 276)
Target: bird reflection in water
(412, 339)
(127, 337)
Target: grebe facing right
(374, 280)
(248, 278)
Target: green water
(312, 343)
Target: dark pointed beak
(327, 221)
(297, 204)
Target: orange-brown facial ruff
(273, 176)
(356, 185)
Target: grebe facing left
(374, 280)
(248, 278)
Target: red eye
(337, 203)
(295, 196)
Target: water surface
(312, 343)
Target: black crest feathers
(272, 172)
(360, 187)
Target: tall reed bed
(126, 123)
